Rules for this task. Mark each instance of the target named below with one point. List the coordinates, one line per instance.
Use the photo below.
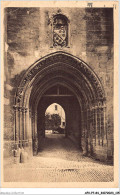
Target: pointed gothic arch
(61, 68)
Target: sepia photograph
(59, 93)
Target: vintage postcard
(59, 94)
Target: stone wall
(28, 37)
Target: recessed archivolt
(36, 94)
(39, 88)
(36, 101)
(62, 70)
(73, 84)
(55, 69)
(65, 70)
(82, 76)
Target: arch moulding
(65, 69)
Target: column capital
(26, 109)
(19, 108)
(23, 109)
(15, 107)
(29, 110)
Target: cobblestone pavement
(58, 161)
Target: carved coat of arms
(60, 31)
(59, 36)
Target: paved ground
(58, 161)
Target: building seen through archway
(55, 119)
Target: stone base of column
(17, 152)
(84, 146)
(35, 146)
(29, 148)
(103, 152)
(26, 151)
(110, 150)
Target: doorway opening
(58, 117)
(70, 82)
(55, 121)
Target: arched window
(60, 30)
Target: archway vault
(61, 68)
(64, 97)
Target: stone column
(24, 110)
(23, 116)
(100, 127)
(85, 123)
(27, 131)
(82, 123)
(29, 124)
(32, 124)
(83, 141)
(36, 124)
(93, 124)
(105, 127)
(16, 125)
(34, 134)
(96, 125)
(89, 121)
(88, 129)
(91, 132)
(25, 123)
(21, 124)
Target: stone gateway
(65, 56)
